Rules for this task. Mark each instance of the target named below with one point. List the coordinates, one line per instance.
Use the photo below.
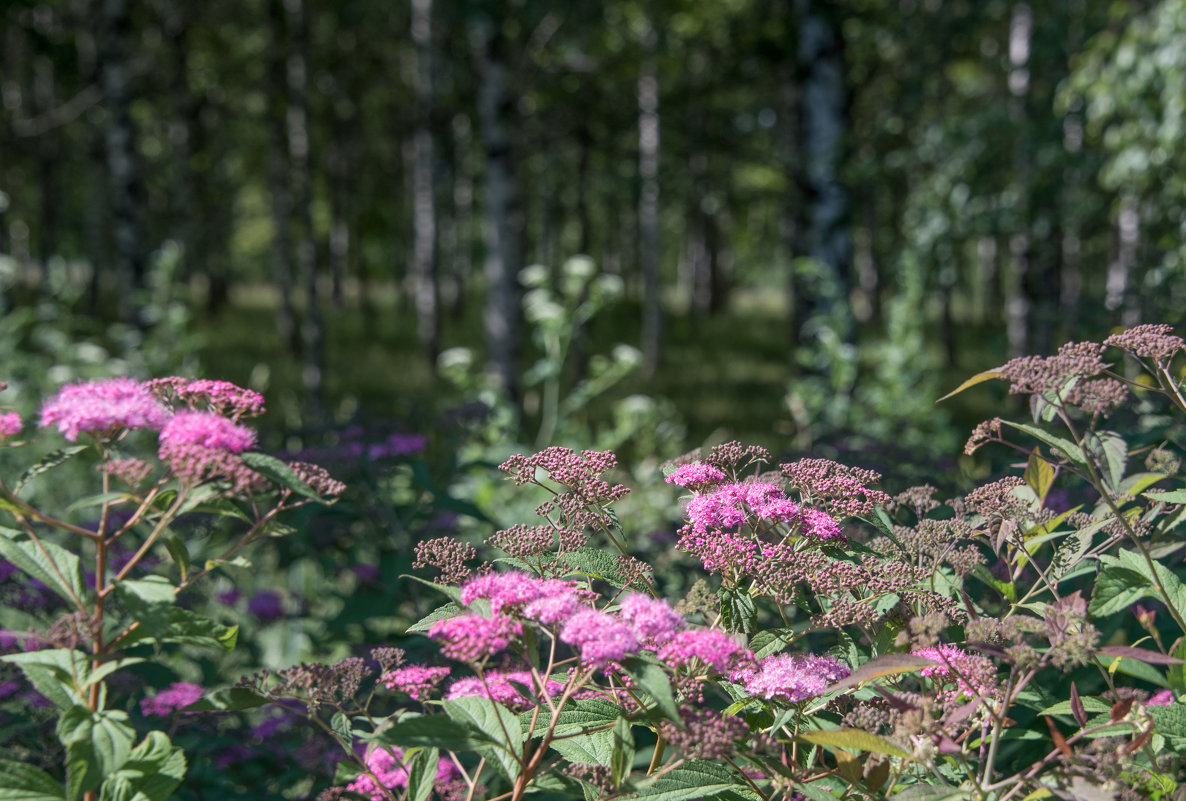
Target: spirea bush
(1019, 642)
(105, 583)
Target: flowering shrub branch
(203, 464)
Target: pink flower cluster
(103, 407)
(653, 620)
(970, 674)
(389, 773)
(821, 526)
(418, 681)
(696, 476)
(10, 424)
(471, 638)
(791, 677)
(505, 687)
(600, 636)
(178, 696)
(546, 601)
(712, 647)
(206, 430)
(733, 505)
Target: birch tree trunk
(300, 179)
(125, 188)
(504, 216)
(648, 203)
(424, 223)
(278, 173)
(1017, 297)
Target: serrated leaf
(434, 730)
(60, 674)
(443, 612)
(1090, 703)
(695, 779)
(594, 748)
(1166, 496)
(575, 717)
(422, 774)
(52, 565)
(280, 474)
(595, 563)
(738, 613)
(449, 591)
(1158, 574)
(1072, 451)
(20, 782)
(1170, 720)
(97, 745)
(652, 680)
(499, 724)
(979, 378)
(853, 739)
(1116, 589)
(622, 760)
(153, 771)
(49, 462)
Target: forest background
(823, 214)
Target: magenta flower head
(178, 696)
(793, 677)
(386, 765)
(652, 619)
(696, 476)
(103, 407)
(712, 647)
(472, 638)
(601, 638)
(208, 430)
(963, 675)
(10, 425)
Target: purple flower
(792, 677)
(178, 696)
(601, 637)
(472, 637)
(696, 476)
(653, 619)
(712, 647)
(104, 406)
(266, 605)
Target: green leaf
(931, 792)
(443, 612)
(59, 674)
(1117, 589)
(1166, 496)
(1090, 704)
(651, 679)
(97, 745)
(1175, 590)
(1176, 674)
(1039, 475)
(771, 641)
(52, 460)
(451, 592)
(20, 782)
(738, 613)
(153, 771)
(694, 779)
(434, 731)
(854, 740)
(497, 722)
(98, 500)
(595, 563)
(594, 748)
(575, 717)
(150, 603)
(422, 774)
(177, 550)
(1070, 449)
(1170, 720)
(51, 564)
(280, 474)
(979, 378)
(622, 759)
(1111, 453)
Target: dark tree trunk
(278, 176)
(123, 166)
(504, 216)
(648, 204)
